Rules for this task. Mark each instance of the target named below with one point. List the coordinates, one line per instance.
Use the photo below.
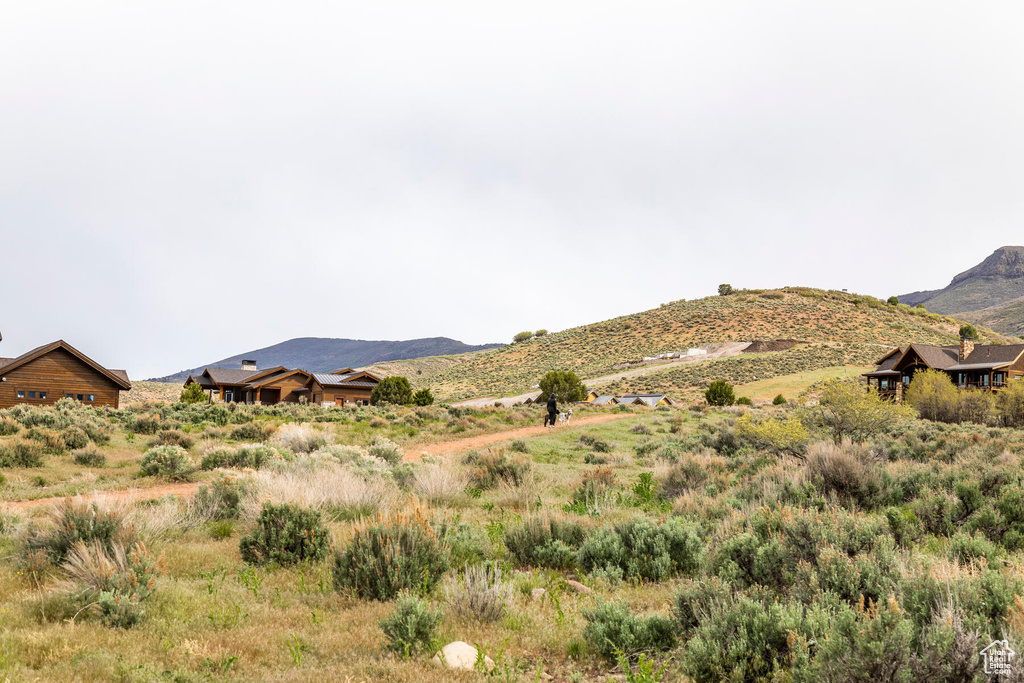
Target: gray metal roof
(975, 366)
(330, 380)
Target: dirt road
(471, 442)
(717, 350)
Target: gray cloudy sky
(182, 181)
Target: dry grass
(298, 438)
(440, 482)
(321, 486)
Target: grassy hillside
(840, 328)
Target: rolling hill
(836, 328)
(989, 294)
(317, 354)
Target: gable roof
(601, 400)
(118, 377)
(276, 377)
(230, 375)
(984, 356)
(645, 399)
(330, 379)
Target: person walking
(552, 410)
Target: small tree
(968, 331)
(893, 300)
(540, 333)
(720, 393)
(1010, 404)
(932, 393)
(725, 290)
(847, 410)
(522, 336)
(423, 397)
(394, 389)
(779, 400)
(564, 384)
(781, 436)
(193, 393)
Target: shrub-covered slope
(841, 327)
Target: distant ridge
(317, 354)
(990, 294)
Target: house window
(31, 394)
(21, 394)
(69, 396)
(81, 397)
(42, 394)
(92, 397)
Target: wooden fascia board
(61, 344)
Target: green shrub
(145, 424)
(75, 520)
(564, 384)
(411, 626)
(74, 437)
(193, 393)
(725, 290)
(1010, 404)
(845, 410)
(220, 499)
(90, 456)
(423, 397)
(252, 431)
(9, 426)
(545, 541)
(720, 393)
(490, 468)
(865, 643)
(965, 548)
(614, 629)
(172, 437)
(481, 593)
(114, 580)
(851, 473)
(779, 400)
(519, 446)
(934, 396)
(391, 554)
(520, 337)
(169, 462)
(49, 439)
(744, 401)
(244, 457)
(395, 389)
(386, 450)
(21, 453)
(781, 436)
(641, 550)
(285, 534)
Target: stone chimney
(251, 364)
(966, 348)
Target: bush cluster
(285, 534)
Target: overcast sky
(183, 181)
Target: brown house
(971, 366)
(54, 371)
(277, 385)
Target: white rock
(460, 655)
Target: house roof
(230, 375)
(341, 371)
(646, 399)
(329, 379)
(202, 380)
(601, 400)
(118, 377)
(276, 377)
(888, 361)
(984, 356)
(995, 354)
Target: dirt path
(471, 442)
(129, 495)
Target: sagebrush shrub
(244, 457)
(220, 499)
(850, 472)
(481, 593)
(76, 520)
(115, 580)
(298, 438)
(172, 437)
(169, 462)
(489, 468)
(21, 453)
(545, 541)
(74, 437)
(90, 456)
(252, 431)
(9, 426)
(48, 438)
(411, 626)
(391, 554)
(614, 629)
(642, 550)
(386, 450)
(285, 534)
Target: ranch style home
(58, 370)
(971, 366)
(281, 385)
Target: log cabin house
(990, 367)
(57, 370)
(281, 385)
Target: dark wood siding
(57, 373)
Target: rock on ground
(460, 655)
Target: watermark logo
(997, 657)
